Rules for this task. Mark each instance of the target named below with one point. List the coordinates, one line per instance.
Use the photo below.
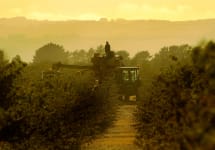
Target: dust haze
(23, 36)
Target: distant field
(22, 36)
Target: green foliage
(8, 73)
(150, 67)
(169, 55)
(178, 111)
(125, 57)
(83, 57)
(3, 61)
(50, 53)
(140, 58)
(55, 113)
(80, 57)
(1, 56)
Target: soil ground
(120, 136)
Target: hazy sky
(112, 9)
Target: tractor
(127, 78)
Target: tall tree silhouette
(50, 53)
(125, 55)
(141, 58)
(8, 73)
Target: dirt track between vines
(120, 136)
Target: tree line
(61, 112)
(176, 110)
(176, 107)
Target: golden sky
(111, 9)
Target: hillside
(23, 36)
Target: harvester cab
(128, 81)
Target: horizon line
(103, 19)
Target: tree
(170, 55)
(125, 56)
(177, 111)
(100, 49)
(61, 112)
(2, 58)
(9, 71)
(140, 58)
(79, 57)
(50, 53)
(83, 57)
